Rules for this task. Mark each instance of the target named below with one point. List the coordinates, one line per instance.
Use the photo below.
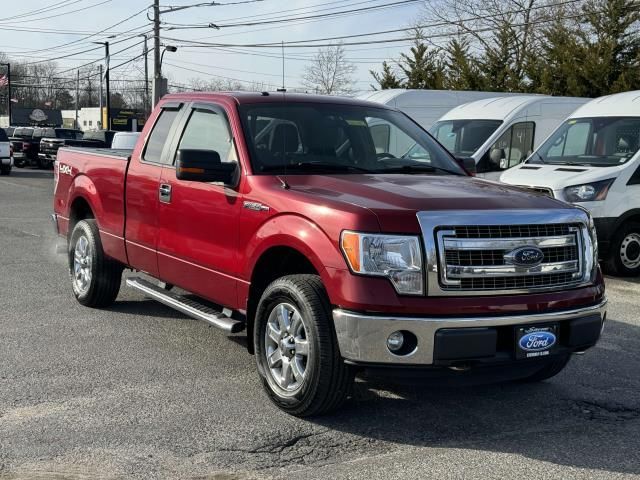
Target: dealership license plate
(536, 341)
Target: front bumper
(363, 338)
(6, 162)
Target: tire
(5, 170)
(312, 385)
(41, 164)
(95, 278)
(19, 163)
(624, 256)
(549, 370)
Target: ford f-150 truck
(277, 213)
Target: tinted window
(158, 137)
(64, 133)
(208, 130)
(23, 132)
(3, 136)
(38, 133)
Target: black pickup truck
(22, 143)
(54, 138)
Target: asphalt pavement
(138, 390)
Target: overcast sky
(264, 65)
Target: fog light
(395, 341)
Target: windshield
(68, 134)
(327, 138)
(464, 137)
(23, 132)
(599, 142)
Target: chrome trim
(539, 190)
(455, 271)
(437, 225)
(508, 243)
(362, 338)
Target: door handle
(164, 193)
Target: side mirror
(469, 164)
(204, 166)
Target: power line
(55, 6)
(284, 20)
(64, 13)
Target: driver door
(198, 235)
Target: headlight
(589, 192)
(397, 257)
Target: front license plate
(536, 341)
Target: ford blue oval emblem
(525, 257)
(537, 341)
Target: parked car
(333, 257)
(593, 160)
(22, 143)
(125, 140)
(9, 131)
(499, 133)
(54, 138)
(104, 138)
(6, 159)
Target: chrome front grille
(547, 192)
(476, 253)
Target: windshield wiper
(417, 169)
(314, 166)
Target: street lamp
(167, 48)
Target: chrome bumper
(362, 338)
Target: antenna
(283, 87)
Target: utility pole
(157, 73)
(100, 103)
(77, 95)
(145, 51)
(106, 79)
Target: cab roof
(272, 97)
(626, 104)
(502, 108)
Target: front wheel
(624, 258)
(95, 277)
(296, 349)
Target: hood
(556, 177)
(395, 199)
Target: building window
(84, 123)
(90, 123)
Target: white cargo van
(427, 106)
(499, 133)
(593, 160)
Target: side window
(388, 138)
(208, 130)
(513, 147)
(158, 137)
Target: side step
(186, 305)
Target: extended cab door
(142, 190)
(198, 237)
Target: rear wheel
(549, 370)
(95, 277)
(19, 163)
(296, 350)
(624, 258)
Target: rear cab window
(153, 152)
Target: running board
(186, 305)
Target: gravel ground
(141, 391)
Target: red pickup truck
(306, 221)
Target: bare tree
(330, 72)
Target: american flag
(4, 81)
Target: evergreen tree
(497, 65)
(422, 68)
(461, 69)
(386, 79)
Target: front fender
(298, 233)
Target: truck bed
(97, 173)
